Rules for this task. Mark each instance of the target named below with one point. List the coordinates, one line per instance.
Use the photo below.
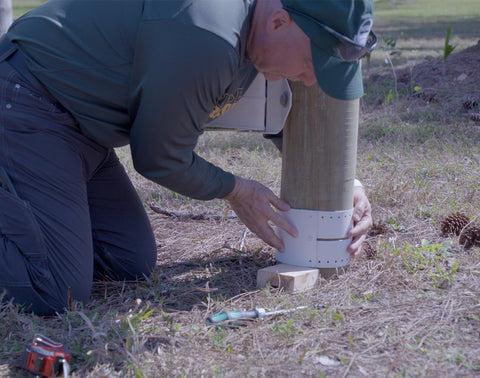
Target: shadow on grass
(185, 285)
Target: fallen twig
(180, 215)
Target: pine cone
(453, 224)
(470, 237)
(369, 251)
(378, 229)
(475, 117)
(471, 104)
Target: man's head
(312, 40)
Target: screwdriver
(235, 317)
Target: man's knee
(46, 299)
(35, 285)
(32, 301)
(133, 262)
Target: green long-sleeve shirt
(146, 72)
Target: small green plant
(448, 48)
(430, 258)
(389, 47)
(132, 320)
(286, 330)
(337, 316)
(172, 327)
(443, 275)
(218, 338)
(395, 225)
(389, 97)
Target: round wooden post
(319, 152)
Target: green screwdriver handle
(232, 315)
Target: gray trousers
(68, 211)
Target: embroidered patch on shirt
(227, 102)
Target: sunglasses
(347, 49)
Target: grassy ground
(419, 27)
(409, 306)
(22, 6)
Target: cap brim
(336, 77)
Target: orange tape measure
(45, 357)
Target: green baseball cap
(341, 33)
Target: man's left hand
(362, 220)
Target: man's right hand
(255, 205)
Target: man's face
(285, 54)
(290, 64)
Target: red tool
(46, 357)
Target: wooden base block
(291, 278)
(330, 272)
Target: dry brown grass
(404, 308)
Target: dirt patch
(451, 84)
(458, 75)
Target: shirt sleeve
(179, 71)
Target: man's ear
(278, 19)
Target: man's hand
(362, 220)
(254, 204)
